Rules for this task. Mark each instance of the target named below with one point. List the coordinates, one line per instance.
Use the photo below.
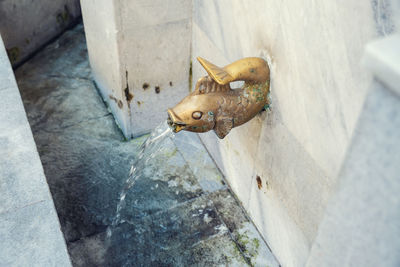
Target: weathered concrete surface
(140, 55)
(318, 90)
(195, 232)
(101, 24)
(31, 236)
(179, 212)
(70, 126)
(27, 25)
(362, 222)
(29, 228)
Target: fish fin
(207, 85)
(223, 127)
(217, 74)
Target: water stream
(148, 150)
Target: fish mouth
(173, 122)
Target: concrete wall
(285, 164)
(140, 55)
(30, 231)
(102, 36)
(318, 91)
(27, 25)
(362, 222)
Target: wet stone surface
(179, 212)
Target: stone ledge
(29, 228)
(382, 57)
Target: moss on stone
(170, 154)
(248, 246)
(63, 17)
(13, 54)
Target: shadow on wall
(27, 26)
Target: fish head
(195, 113)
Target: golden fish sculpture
(214, 105)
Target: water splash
(148, 150)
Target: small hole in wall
(145, 86)
(259, 182)
(170, 83)
(128, 95)
(157, 89)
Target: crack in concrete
(70, 77)
(22, 207)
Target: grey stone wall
(29, 228)
(361, 225)
(140, 56)
(318, 90)
(27, 25)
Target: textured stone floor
(179, 213)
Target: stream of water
(148, 150)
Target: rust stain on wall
(259, 182)
(119, 103)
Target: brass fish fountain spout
(214, 105)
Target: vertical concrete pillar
(140, 55)
(362, 221)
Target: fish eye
(197, 115)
